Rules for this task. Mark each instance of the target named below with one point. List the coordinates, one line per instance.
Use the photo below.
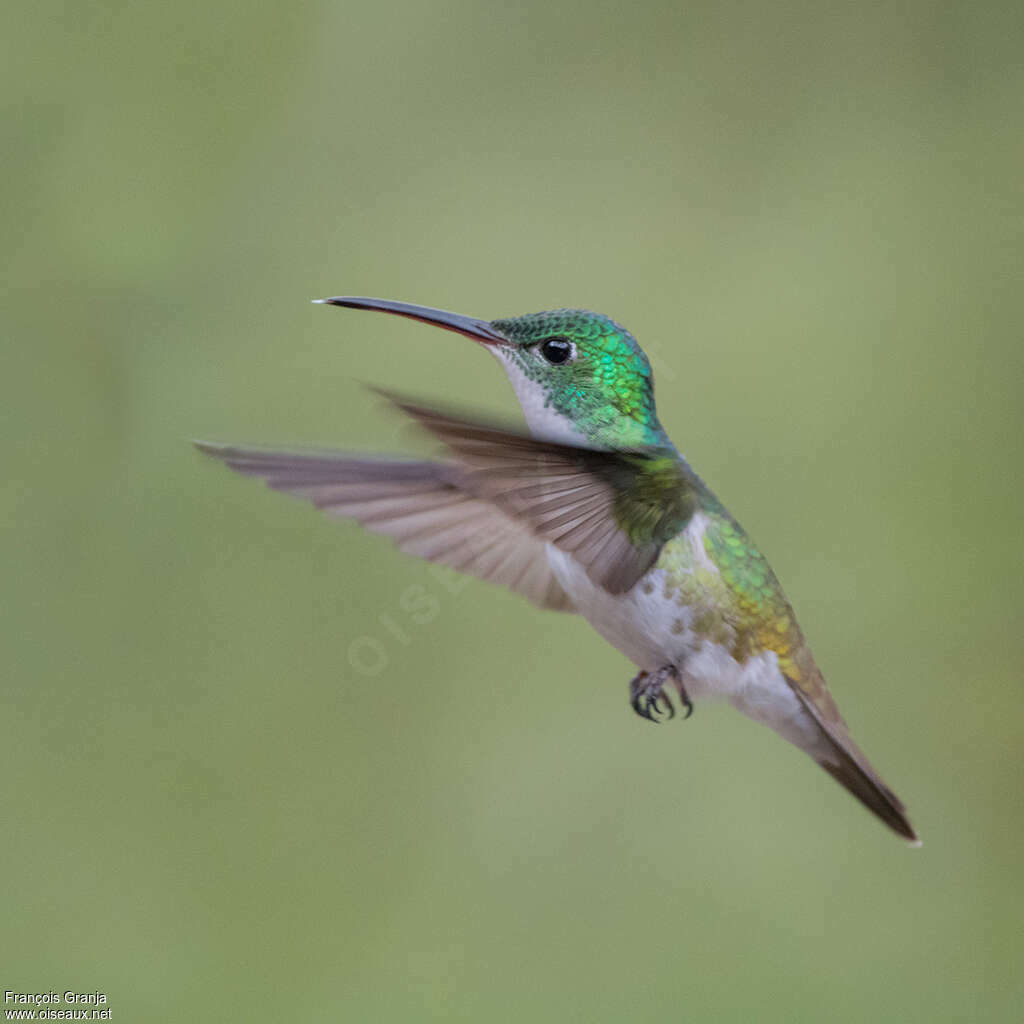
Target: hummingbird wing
(419, 504)
(612, 511)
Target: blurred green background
(810, 214)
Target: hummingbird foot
(647, 690)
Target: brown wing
(420, 505)
(612, 511)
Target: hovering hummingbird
(593, 511)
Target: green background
(811, 216)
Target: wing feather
(419, 505)
(612, 511)
(501, 497)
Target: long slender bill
(471, 327)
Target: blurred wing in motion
(419, 504)
(491, 509)
(612, 511)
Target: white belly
(653, 631)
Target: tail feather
(872, 792)
(840, 756)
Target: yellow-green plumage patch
(658, 502)
(733, 596)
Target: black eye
(557, 350)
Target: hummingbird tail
(867, 787)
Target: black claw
(686, 702)
(647, 691)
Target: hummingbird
(592, 510)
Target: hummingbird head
(579, 376)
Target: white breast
(652, 630)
